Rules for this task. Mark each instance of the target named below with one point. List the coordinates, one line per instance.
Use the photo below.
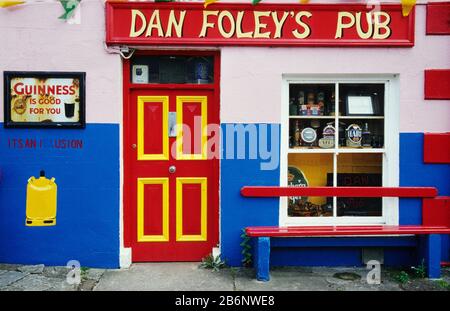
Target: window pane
(311, 99)
(361, 133)
(311, 133)
(359, 170)
(172, 69)
(361, 99)
(309, 170)
(361, 115)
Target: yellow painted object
(41, 201)
(8, 3)
(407, 6)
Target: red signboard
(137, 23)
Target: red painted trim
(360, 192)
(127, 232)
(436, 148)
(128, 87)
(445, 264)
(406, 40)
(438, 18)
(437, 84)
(342, 230)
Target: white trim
(390, 152)
(125, 257)
(124, 253)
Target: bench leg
(431, 253)
(262, 259)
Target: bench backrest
(435, 210)
(364, 192)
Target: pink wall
(32, 38)
(251, 77)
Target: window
(339, 132)
(172, 69)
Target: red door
(171, 178)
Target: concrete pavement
(190, 277)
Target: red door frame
(127, 153)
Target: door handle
(133, 146)
(172, 169)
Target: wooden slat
(342, 230)
(363, 192)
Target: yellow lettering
(340, 23)
(361, 33)
(206, 24)
(176, 24)
(133, 32)
(155, 22)
(239, 33)
(381, 25)
(306, 30)
(279, 23)
(259, 26)
(222, 31)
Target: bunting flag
(69, 8)
(255, 2)
(208, 2)
(407, 6)
(5, 4)
(304, 1)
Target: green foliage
(402, 277)
(420, 271)
(211, 262)
(84, 272)
(443, 284)
(246, 250)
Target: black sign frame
(9, 75)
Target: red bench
(435, 216)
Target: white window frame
(390, 152)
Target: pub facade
(151, 118)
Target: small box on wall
(44, 99)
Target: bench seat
(273, 231)
(435, 223)
(430, 240)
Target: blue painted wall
(88, 198)
(238, 212)
(87, 226)
(414, 172)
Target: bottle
(301, 102)
(321, 102)
(332, 106)
(293, 111)
(297, 134)
(366, 136)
